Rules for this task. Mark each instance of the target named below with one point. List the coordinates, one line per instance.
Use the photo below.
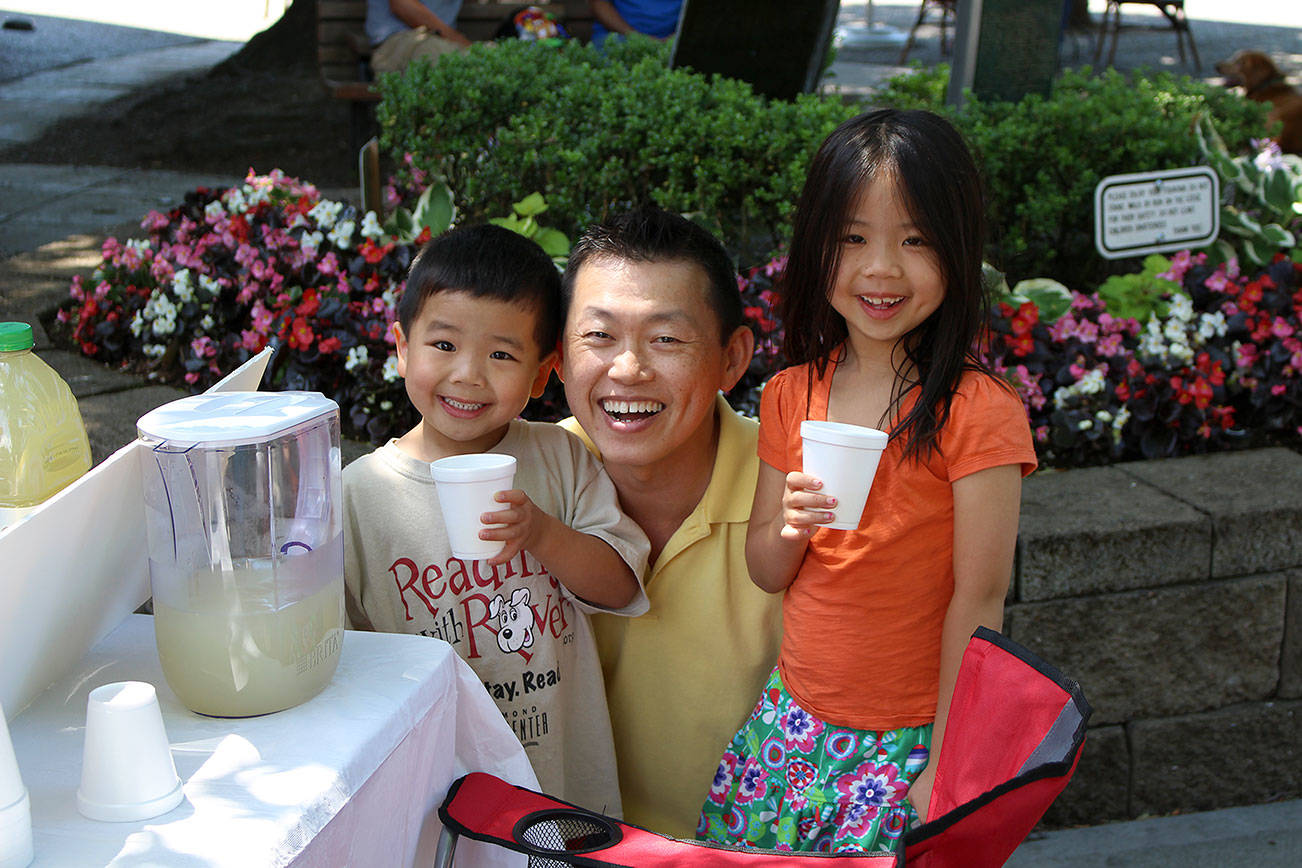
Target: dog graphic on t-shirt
(514, 620)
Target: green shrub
(598, 134)
(1042, 157)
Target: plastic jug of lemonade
(43, 445)
(243, 515)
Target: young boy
(477, 328)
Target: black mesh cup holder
(552, 835)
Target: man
(402, 30)
(654, 330)
(655, 18)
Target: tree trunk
(289, 43)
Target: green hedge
(597, 133)
(1043, 157)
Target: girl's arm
(786, 512)
(586, 565)
(986, 509)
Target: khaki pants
(400, 49)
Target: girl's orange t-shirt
(862, 620)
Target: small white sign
(1152, 212)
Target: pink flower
(262, 318)
(252, 341)
(1280, 328)
(154, 221)
(192, 377)
(203, 347)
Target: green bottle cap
(15, 336)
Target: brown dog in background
(1262, 81)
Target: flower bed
(1209, 358)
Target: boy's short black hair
(651, 234)
(487, 261)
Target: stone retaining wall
(1172, 591)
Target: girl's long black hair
(942, 191)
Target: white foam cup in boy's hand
(845, 458)
(466, 485)
(15, 807)
(127, 771)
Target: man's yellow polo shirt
(681, 679)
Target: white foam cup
(845, 458)
(466, 485)
(15, 807)
(127, 771)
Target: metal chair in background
(947, 17)
(1172, 9)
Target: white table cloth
(353, 777)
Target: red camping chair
(1014, 738)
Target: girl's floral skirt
(789, 781)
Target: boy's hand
(519, 525)
(803, 507)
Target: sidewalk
(53, 219)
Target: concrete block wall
(1172, 591)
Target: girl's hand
(920, 791)
(803, 508)
(518, 525)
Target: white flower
(215, 211)
(235, 203)
(138, 245)
(371, 226)
(390, 297)
(257, 196)
(159, 305)
(1123, 416)
(325, 213)
(386, 405)
(137, 324)
(357, 358)
(1084, 425)
(210, 284)
(310, 242)
(1103, 416)
(390, 372)
(342, 235)
(1181, 307)
(154, 351)
(207, 322)
(164, 326)
(181, 286)
(1211, 325)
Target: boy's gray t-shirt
(401, 577)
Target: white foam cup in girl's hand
(127, 771)
(15, 807)
(466, 485)
(845, 458)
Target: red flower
(329, 345)
(310, 304)
(373, 252)
(301, 336)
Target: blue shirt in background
(653, 17)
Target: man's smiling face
(642, 358)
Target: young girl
(883, 306)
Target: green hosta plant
(434, 210)
(523, 220)
(1138, 296)
(1050, 297)
(1262, 211)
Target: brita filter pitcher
(243, 495)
